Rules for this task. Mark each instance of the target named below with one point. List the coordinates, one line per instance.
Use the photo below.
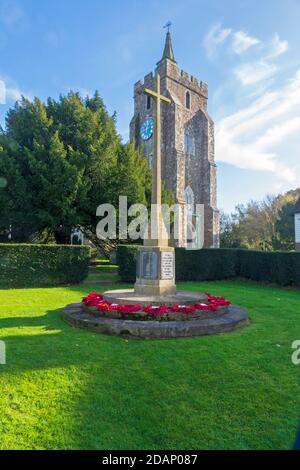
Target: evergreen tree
(62, 160)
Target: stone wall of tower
(180, 170)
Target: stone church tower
(188, 163)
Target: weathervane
(168, 26)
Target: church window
(189, 198)
(148, 102)
(189, 144)
(188, 100)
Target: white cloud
(214, 38)
(254, 72)
(264, 68)
(277, 47)
(242, 41)
(258, 71)
(257, 137)
(277, 133)
(14, 94)
(10, 92)
(263, 135)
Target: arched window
(189, 144)
(148, 105)
(188, 100)
(189, 198)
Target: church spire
(168, 50)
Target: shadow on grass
(45, 321)
(48, 341)
(231, 391)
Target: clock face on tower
(147, 129)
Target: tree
(51, 181)
(261, 225)
(15, 199)
(285, 225)
(62, 159)
(230, 236)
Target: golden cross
(156, 94)
(156, 186)
(156, 178)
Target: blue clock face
(147, 129)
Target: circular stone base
(129, 297)
(234, 319)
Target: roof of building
(168, 50)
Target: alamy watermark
(2, 353)
(296, 353)
(177, 222)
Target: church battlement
(190, 81)
(147, 81)
(172, 71)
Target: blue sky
(246, 50)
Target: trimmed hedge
(126, 261)
(205, 264)
(281, 268)
(42, 265)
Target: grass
(64, 388)
(105, 274)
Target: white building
(297, 225)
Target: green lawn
(64, 388)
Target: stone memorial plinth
(234, 319)
(131, 297)
(155, 271)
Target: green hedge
(216, 264)
(42, 265)
(126, 261)
(275, 267)
(205, 265)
